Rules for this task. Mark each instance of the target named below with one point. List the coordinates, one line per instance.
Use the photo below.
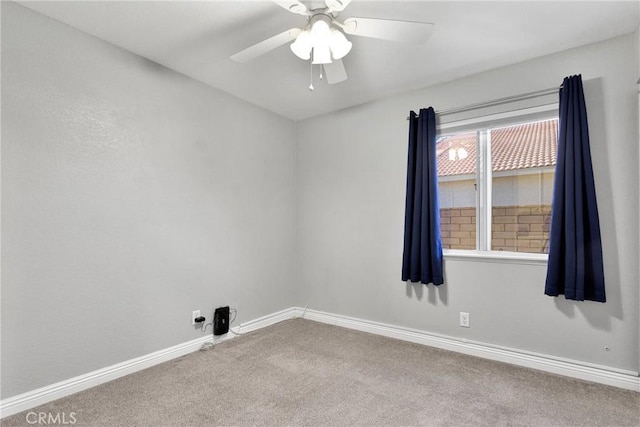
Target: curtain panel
(422, 256)
(575, 266)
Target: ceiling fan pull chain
(311, 76)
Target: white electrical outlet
(464, 319)
(194, 314)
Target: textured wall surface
(351, 173)
(131, 195)
(637, 49)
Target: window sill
(496, 256)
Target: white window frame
(481, 125)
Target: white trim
(590, 372)
(31, 399)
(500, 101)
(571, 368)
(481, 121)
(267, 320)
(502, 257)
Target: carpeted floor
(303, 373)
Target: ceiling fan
(322, 39)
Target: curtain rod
(499, 101)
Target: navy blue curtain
(575, 266)
(422, 257)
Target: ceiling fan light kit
(303, 45)
(340, 46)
(321, 54)
(323, 41)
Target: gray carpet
(300, 372)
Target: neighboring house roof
(531, 145)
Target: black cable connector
(199, 319)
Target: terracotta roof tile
(531, 145)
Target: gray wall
(351, 169)
(637, 49)
(131, 195)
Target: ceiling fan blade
(335, 72)
(336, 5)
(293, 6)
(386, 29)
(266, 45)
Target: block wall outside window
(514, 228)
(458, 228)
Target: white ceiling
(197, 39)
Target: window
(496, 184)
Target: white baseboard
(571, 368)
(31, 399)
(574, 369)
